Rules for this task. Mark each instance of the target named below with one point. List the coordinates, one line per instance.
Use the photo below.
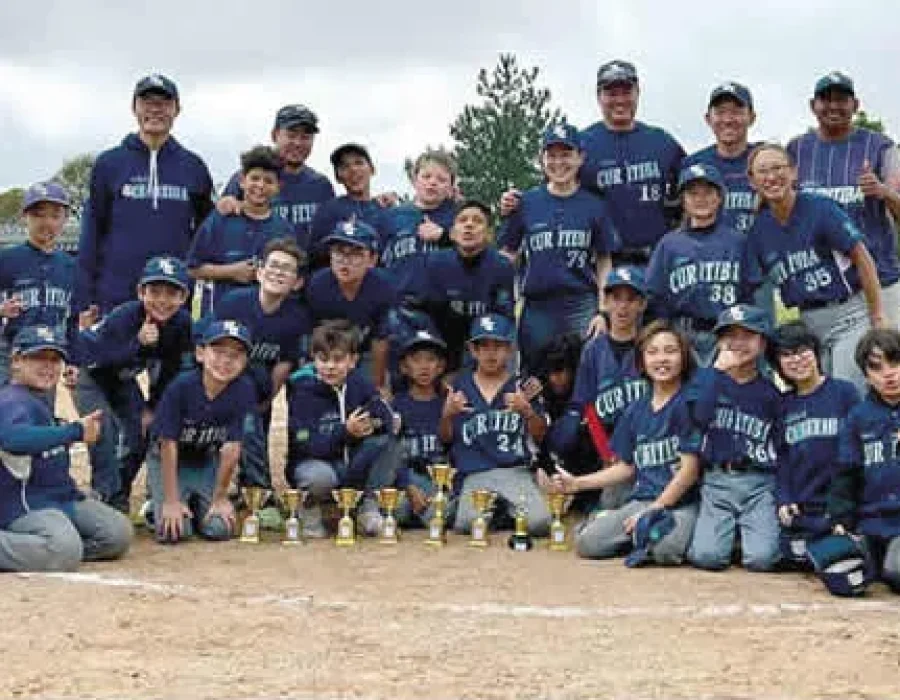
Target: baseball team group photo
(299, 431)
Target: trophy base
(520, 543)
(558, 541)
(250, 533)
(479, 544)
(341, 542)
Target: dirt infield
(228, 620)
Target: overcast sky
(394, 74)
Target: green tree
(11, 204)
(497, 142)
(75, 176)
(863, 121)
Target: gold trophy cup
(293, 526)
(253, 496)
(558, 543)
(388, 499)
(482, 499)
(442, 476)
(346, 500)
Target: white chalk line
(310, 602)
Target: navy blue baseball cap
(616, 72)
(650, 528)
(843, 563)
(291, 116)
(628, 276)
(701, 172)
(219, 330)
(492, 327)
(834, 81)
(421, 339)
(731, 90)
(746, 316)
(353, 232)
(32, 339)
(45, 192)
(167, 269)
(564, 134)
(158, 84)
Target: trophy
(253, 496)
(293, 526)
(520, 540)
(442, 475)
(482, 499)
(388, 499)
(346, 500)
(556, 502)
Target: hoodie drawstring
(342, 409)
(153, 179)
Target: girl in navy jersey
(695, 271)
(815, 255)
(565, 236)
(650, 443)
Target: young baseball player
(352, 289)
(738, 412)
(420, 405)
(730, 115)
(655, 443)
(816, 257)
(340, 430)
(196, 434)
(301, 189)
(46, 524)
(226, 250)
(489, 423)
(471, 280)
(695, 271)
(413, 230)
(857, 168)
(147, 198)
(354, 169)
(36, 279)
(279, 323)
(865, 495)
(151, 333)
(814, 410)
(565, 235)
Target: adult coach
(860, 170)
(633, 164)
(302, 189)
(146, 198)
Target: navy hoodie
(140, 205)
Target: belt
(737, 466)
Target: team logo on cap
(40, 189)
(625, 274)
(423, 335)
(698, 170)
(155, 80)
(737, 313)
(560, 131)
(488, 324)
(837, 77)
(728, 87)
(231, 327)
(167, 266)
(44, 333)
(349, 228)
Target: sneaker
(270, 518)
(313, 526)
(146, 515)
(370, 518)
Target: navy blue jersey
(112, 353)
(869, 450)
(419, 424)
(809, 460)
(832, 169)
(223, 240)
(741, 423)
(807, 260)
(652, 442)
(331, 213)
(404, 253)
(200, 425)
(140, 205)
(34, 455)
(741, 201)
(561, 238)
(636, 171)
(370, 311)
(490, 435)
(607, 382)
(298, 198)
(696, 273)
(461, 289)
(280, 336)
(44, 283)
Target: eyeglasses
(355, 255)
(793, 353)
(285, 268)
